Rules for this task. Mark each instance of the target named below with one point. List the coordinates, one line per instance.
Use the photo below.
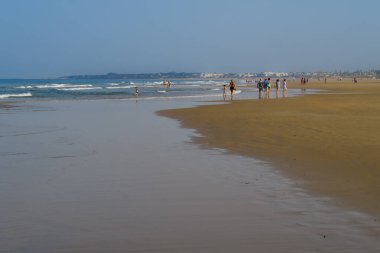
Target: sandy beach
(111, 176)
(329, 140)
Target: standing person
(284, 88)
(136, 91)
(168, 84)
(260, 85)
(268, 88)
(266, 85)
(277, 87)
(164, 83)
(277, 84)
(232, 87)
(224, 91)
(325, 79)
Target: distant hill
(167, 75)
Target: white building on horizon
(211, 75)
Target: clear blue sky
(50, 38)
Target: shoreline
(328, 141)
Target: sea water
(52, 89)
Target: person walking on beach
(265, 85)
(277, 87)
(168, 84)
(268, 88)
(277, 84)
(260, 86)
(284, 88)
(136, 91)
(224, 92)
(232, 88)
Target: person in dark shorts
(232, 88)
(260, 86)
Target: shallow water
(111, 176)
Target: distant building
(212, 75)
(275, 74)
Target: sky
(47, 39)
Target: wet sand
(111, 176)
(328, 140)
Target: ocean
(88, 89)
(13, 89)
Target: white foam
(161, 91)
(25, 87)
(80, 88)
(215, 89)
(153, 84)
(62, 85)
(202, 82)
(122, 87)
(15, 95)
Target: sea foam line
(59, 85)
(121, 87)
(16, 95)
(80, 88)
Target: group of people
(261, 85)
(232, 87)
(267, 84)
(165, 83)
(304, 80)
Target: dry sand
(331, 140)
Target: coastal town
(366, 74)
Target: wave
(153, 84)
(16, 95)
(203, 82)
(61, 85)
(25, 87)
(80, 88)
(121, 87)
